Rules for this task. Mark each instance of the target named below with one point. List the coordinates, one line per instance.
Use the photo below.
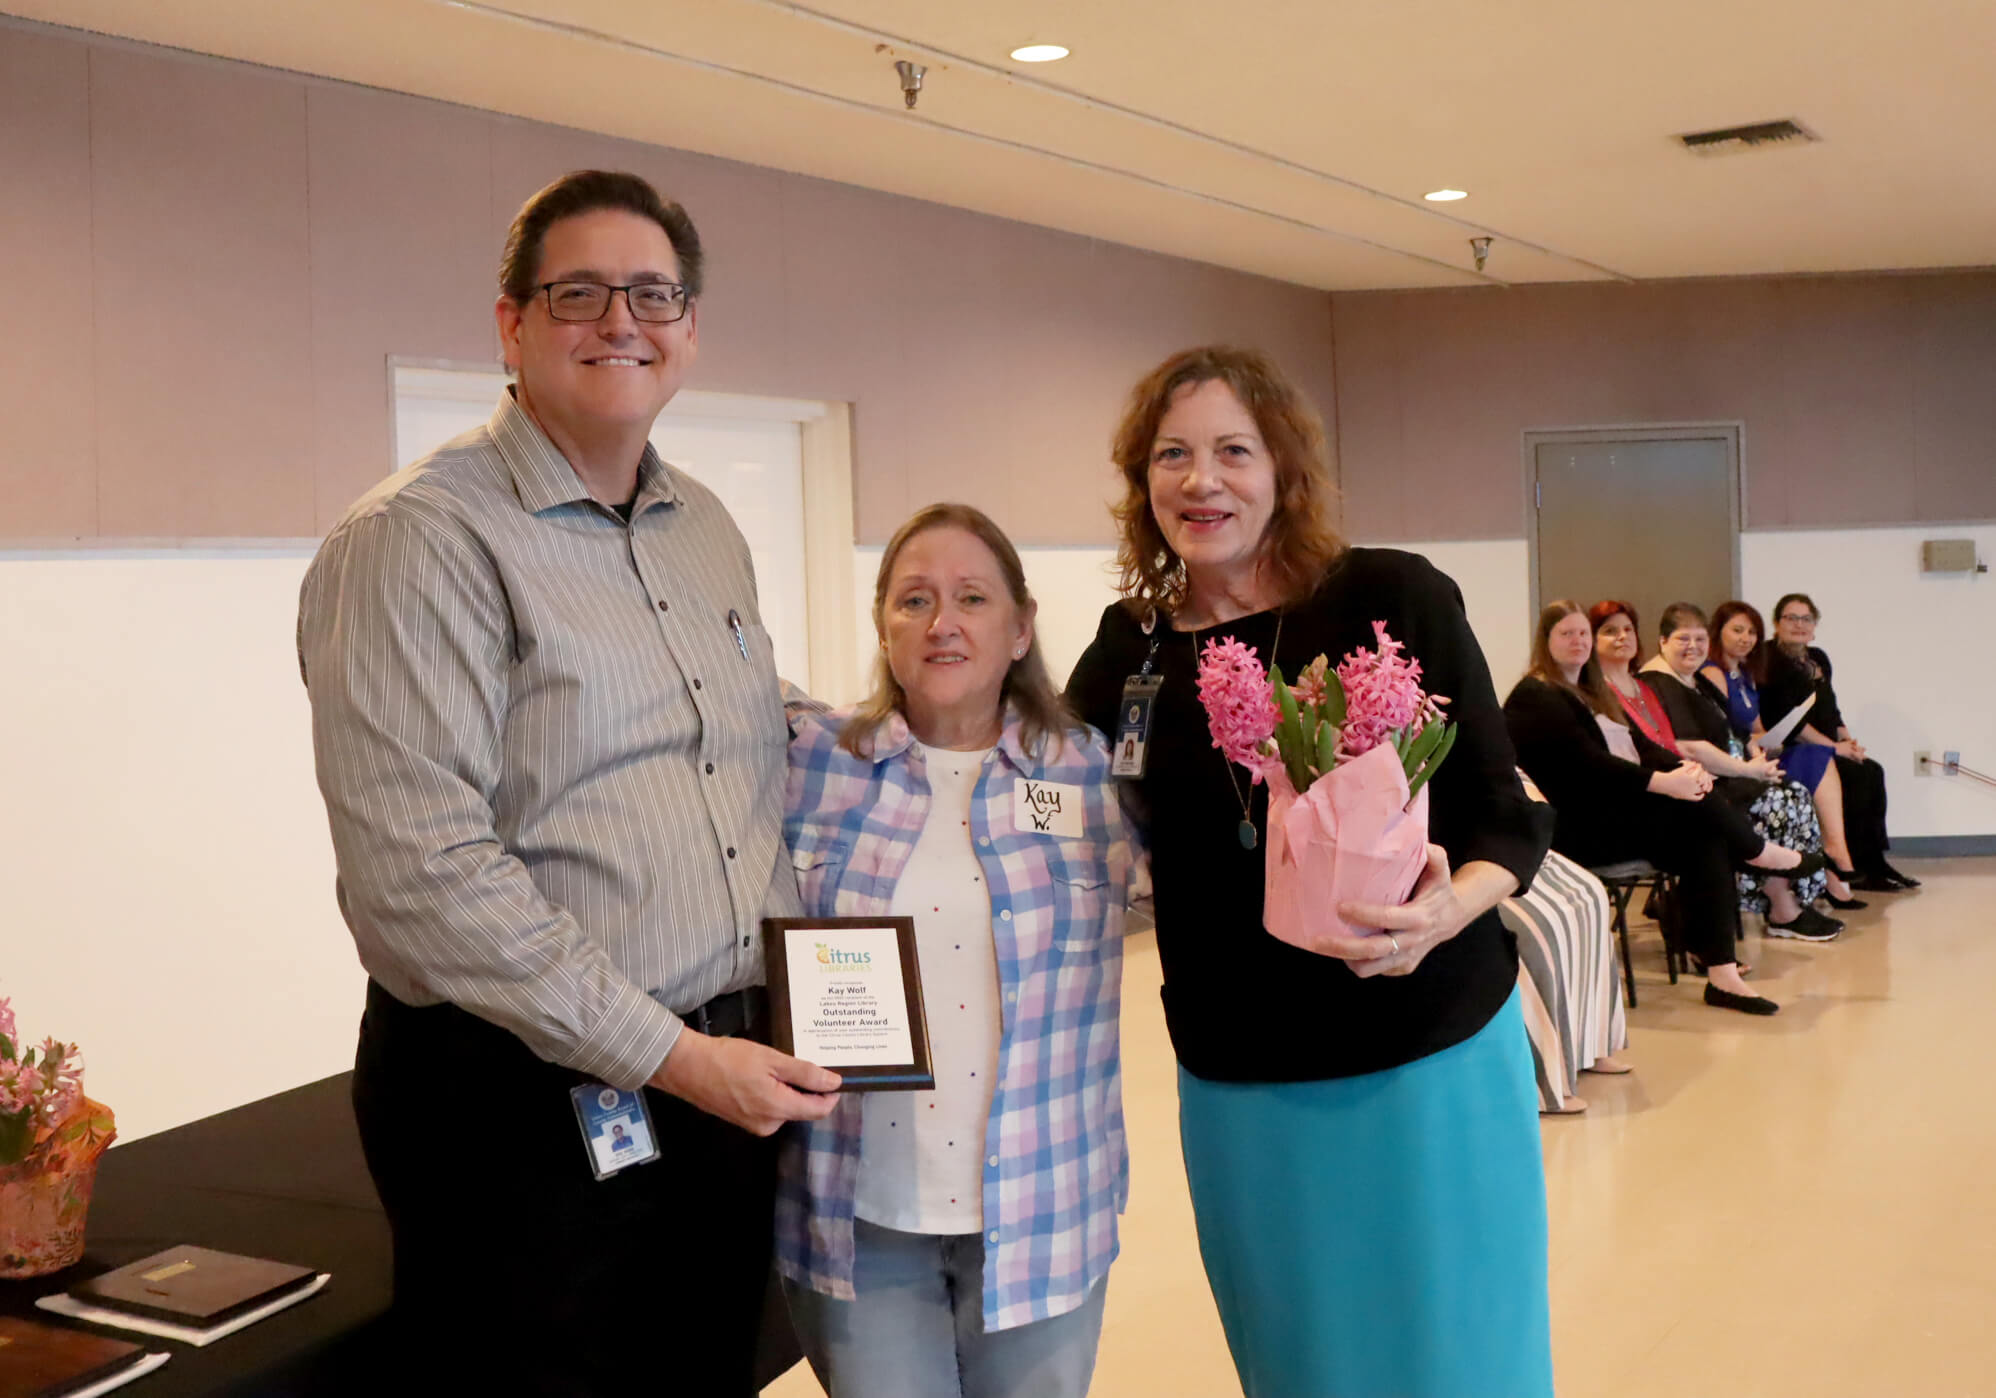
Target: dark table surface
(280, 1178)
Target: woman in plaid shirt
(958, 1241)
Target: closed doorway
(1646, 514)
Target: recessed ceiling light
(1446, 196)
(1039, 53)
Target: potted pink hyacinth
(51, 1137)
(1347, 754)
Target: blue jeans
(916, 1327)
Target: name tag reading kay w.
(1047, 808)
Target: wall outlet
(1951, 763)
(1922, 764)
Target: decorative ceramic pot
(45, 1197)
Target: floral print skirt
(1784, 813)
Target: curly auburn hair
(1301, 542)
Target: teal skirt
(1381, 1236)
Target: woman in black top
(1780, 809)
(1798, 671)
(1374, 1071)
(1642, 803)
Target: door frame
(1732, 431)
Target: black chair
(1622, 880)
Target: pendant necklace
(1246, 832)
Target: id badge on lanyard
(616, 1128)
(1134, 715)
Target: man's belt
(739, 1013)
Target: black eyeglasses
(654, 303)
(1798, 616)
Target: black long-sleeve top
(1692, 709)
(1562, 749)
(1789, 683)
(1240, 1005)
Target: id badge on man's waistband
(616, 1128)
(1133, 725)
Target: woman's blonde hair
(1301, 542)
(1043, 714)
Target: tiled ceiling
(1285, 138)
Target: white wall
(168, 874)
(1073, 585)
(1915, 656)
(165, 854)
(1495, 578)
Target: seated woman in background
(1798, 672)
(1733, 676)
(1780, 809)
(1572, 993)
(1640, 804)
(1615, 651)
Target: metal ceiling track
(978, 65)
(616, 41)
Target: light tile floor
(1796, 1207)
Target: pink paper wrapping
(1348, 839)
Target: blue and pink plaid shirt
(1056, 1170)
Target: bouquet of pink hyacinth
(1347, 754)
(40, 1089)
(51, 1137)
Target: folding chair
(1622, 880)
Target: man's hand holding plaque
(846, 994)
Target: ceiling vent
(1732, 140)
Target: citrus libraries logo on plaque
(846, 994)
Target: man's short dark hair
(584, 192)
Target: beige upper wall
(232, 254)
(1867, 400)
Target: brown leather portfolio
(193, 1286)
(47, 1361)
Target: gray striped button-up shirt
(554, 780)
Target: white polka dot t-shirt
(920, 1166)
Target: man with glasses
(552, 746)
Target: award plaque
(845, 993)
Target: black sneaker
(1808, 926)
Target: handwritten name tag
(1047, 808)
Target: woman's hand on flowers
(1764, 768)
(1431, 915)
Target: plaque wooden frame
(918, 1075)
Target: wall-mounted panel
(403, 261)
(1866, 400)
(270, 241)
(204, 358)
(48, 448)
(1954, 401)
